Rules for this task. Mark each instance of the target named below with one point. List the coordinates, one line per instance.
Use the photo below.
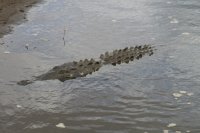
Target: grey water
(148, 95)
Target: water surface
(128, 98)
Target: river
(156, 94)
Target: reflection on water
(154, 95)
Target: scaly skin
(82, 68)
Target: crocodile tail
(127, 54)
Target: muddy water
(151, 95)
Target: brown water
(143, 96)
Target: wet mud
(13, 12)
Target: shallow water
(135, 97)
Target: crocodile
(82, 68)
